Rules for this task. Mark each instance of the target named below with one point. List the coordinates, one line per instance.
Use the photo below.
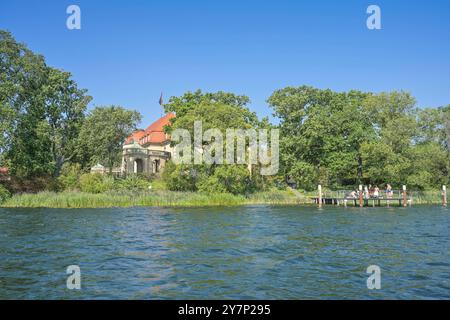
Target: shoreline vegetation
(84, 200)
(76, 199)
(52, 142)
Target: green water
(257, 252)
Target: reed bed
(163, 198)
(426, 197)
(150, 198)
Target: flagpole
(161, 102)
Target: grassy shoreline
(150, 199)
(75, 199)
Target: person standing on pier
(376, 192)
(366, 192)
(388, 191)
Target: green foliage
(234, 179)
(188, 101)
(318, 129)
(103, 133)
(4, 194)
(348, 138)
(132, 183)
(148, 198)
(41, 109)
(180, 177)
(96, 183)
(435, 126)
(213, 116)
(64, 112)
(212, 184)
(219, 111)
(304, 174)
(332, 138)
(70, 175)
(382, 165)
(430, 166)
(158, 185)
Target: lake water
(257, 252)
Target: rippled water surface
(225, 253)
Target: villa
(147, 151)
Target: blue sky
(127, 52)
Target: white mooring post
(444, 196)
(319, 188)
(404, 196)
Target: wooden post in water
(360, 195)
(320, 195)
(444, 196)
(404, 196)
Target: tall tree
(219, 111)
(435, 125)
(348, 138)
(321, 134)
(103, 133)
(183, 104)
(65, 105)
(41, 110)
(22, 74)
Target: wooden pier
(363, 198)
(371, 202)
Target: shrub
(96, 183)
(133, 183)
(158, 185)
(304, 174)
(180, 177)
(70, 175)
(32, 184)
(233, 179)
(211, 185)
(4, 194)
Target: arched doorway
(156, 165)
(138, 166)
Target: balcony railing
(158, 153)
(154, 153)
(136, 151)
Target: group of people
(370, 192)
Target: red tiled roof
(154, 133)
(136, 136)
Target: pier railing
(343, 194)
(403, 197)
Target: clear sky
(127, 52)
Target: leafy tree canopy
(103, 133)
(346, 138)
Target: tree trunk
(111, 165)
(360, 169)
(58, 166)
